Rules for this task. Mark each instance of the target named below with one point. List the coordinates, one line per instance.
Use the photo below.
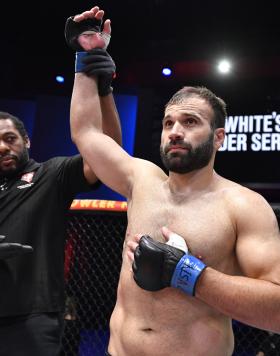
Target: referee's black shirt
(33, 211)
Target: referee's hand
(9, 249)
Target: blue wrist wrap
(79, 65)
(186, 274)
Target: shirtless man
(230, 228)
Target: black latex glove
(99, 63)
(9, 250)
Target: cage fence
(93, 255)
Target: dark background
(190, 36)
(147, 34)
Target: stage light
(59, 79)
(166, 71)
(224, 66)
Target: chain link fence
(93, 257)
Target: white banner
(255, 133)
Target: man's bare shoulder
(241, 194)
(245, 203)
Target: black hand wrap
(73, 30)
(9, 250)
(157, 265)
(99, 63)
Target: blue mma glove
(9, 250)
(158, 265)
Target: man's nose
(176, 132)
(3, 147)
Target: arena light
(224, 66)
(166, 71)
(59, 79)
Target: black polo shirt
(33, 211)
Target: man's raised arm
(92, 107)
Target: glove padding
(99, 63)
(9, 250)
(73, 29)
(157, 265)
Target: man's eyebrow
(166, 117)
(185, 114)
(9, 133)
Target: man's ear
(219, 136)
(26, 141)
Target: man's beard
(191, 160)
(21, 161)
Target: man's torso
(169, 321)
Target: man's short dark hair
(19, 125)
(217, 104)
